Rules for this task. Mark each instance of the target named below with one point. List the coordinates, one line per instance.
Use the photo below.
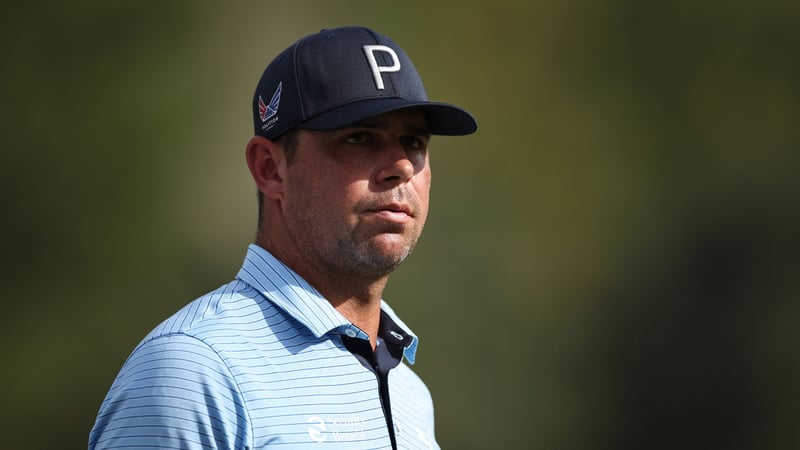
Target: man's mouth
(392, 212)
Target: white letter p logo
(373, 64)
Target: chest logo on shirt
(337, 429)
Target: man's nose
(397, 166)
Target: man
(300, 351)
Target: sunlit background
(610, 262)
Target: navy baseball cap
(342, 76)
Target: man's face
(356, 199)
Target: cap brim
(443, 119)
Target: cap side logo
(266, 112)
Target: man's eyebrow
(423, 129)
(384, 124)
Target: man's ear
(267, 163)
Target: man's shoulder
(235, 309)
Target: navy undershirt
(387, 355)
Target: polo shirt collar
(290, 292)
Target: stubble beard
(367, 258)
(354, 252)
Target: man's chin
(385, 253)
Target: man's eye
(357, 138)
(412, 143)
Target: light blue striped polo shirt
(260, 363)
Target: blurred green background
(611, 262)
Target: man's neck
(358, 299)
(358, 302)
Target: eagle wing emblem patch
(268, 111)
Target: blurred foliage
(610, 262)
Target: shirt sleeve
(173, 392)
